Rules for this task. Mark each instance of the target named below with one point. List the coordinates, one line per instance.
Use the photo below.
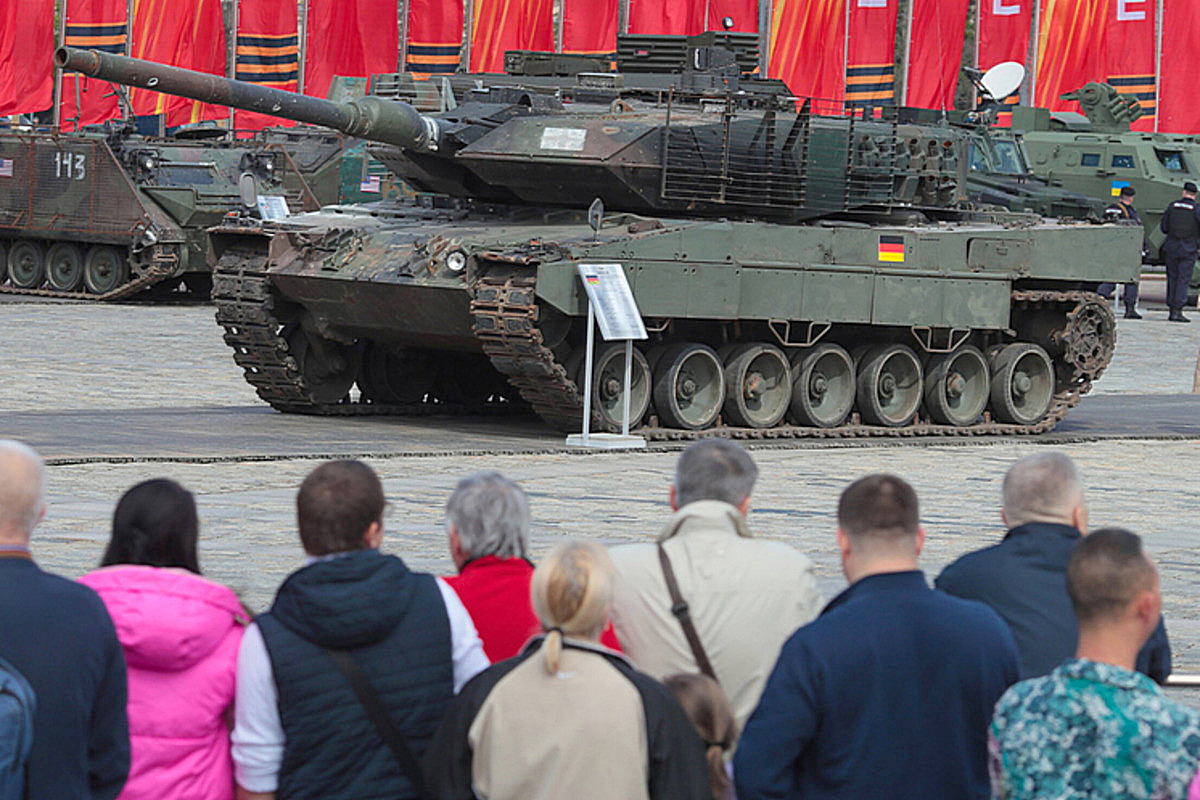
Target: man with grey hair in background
(59, 635)
(707, 596)
(487, 523)
(1024, 576)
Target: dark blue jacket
(1024, 579)
(888, 693)
(395, 624)
(59, 635)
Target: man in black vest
(1123, 210)
(301, 729)
(1181, 224)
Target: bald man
(1024, 577)
(58, 634)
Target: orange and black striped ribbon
(1141, 87)
(433, 58)
(108, 38)
(269, 60)
(871, 85)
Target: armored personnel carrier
(1096, 153)
(799, 275)
(106, 213)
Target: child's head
(708, 708)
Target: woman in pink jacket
(180, 633)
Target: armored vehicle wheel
(1022, 383)
(889, 385)
(26, 265)
(758, 384)
(104, 269)
(327, 368)
(822, 386)
(957, 386)
(394, 375)
(64, 266)
(608, 379)
(689, 386)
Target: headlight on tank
(456, 260)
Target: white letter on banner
(872, 3)
(1126, 14)
(999, 9)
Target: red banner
(435, 34)
(744, 14)
(268, 52)
(590, 26)
(871, 53)
(808, 49)
(1129, 54)
(182, 33)
(1178, 111)
(26, 56)
(1003, 29)
(1070, 49)
(501, 25)
(670, 17)
(93, 25)
(352, 38)
(939, 28)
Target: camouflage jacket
(1091, 730)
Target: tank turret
(710, 152)
(1107, 110)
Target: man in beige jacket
(743, 596)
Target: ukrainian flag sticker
(1117, 186)
(891, 248)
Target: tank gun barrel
(372, 118)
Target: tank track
(506, 312)
(505, 315)
(246, 310)
(155, 274)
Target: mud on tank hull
(836, 329)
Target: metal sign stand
(608, 441)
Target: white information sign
(569, 139)
(273, 207)
(609, 293)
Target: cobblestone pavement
(72, 356)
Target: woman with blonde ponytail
(567, 717)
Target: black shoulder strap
(379, 717)
(679, 608)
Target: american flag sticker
(891, 248)
(371, 184)
(6, 167)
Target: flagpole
(908, 28)
(468, 31)
(845, 51)
(1158, 37)
(1034, 42)
(231, 65)
(765, 9)
(623, 16)
(300, 81)
(561, 7)
(402, 24)
(58, 73)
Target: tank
(799, 274)
(106, 213)
(1096, 153)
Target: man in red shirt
(487, 520)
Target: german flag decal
(891, 248)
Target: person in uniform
(1123, 210)
(1181, 224)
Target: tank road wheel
(26, 264)
(394, 375)
(104, 269)
(689, 386)
(1022, 383)
(957, 386)
(889, 385)
(64, 267)
(758, 385)
(608, 378)
(328, 368)
(822, 386)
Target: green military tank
(1096, 153)
(800, 275)
(106, 213)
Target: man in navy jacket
(889, 692)
(58, 634)
(1024, 577)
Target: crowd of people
(699, 665)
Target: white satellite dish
(1003, 79)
